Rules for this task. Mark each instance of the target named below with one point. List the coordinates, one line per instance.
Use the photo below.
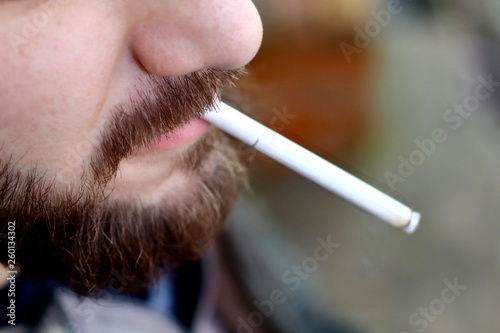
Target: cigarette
(313, 167)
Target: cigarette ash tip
(413, 224)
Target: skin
(89, 55)
(62, 80)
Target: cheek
(52, 101)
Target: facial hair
(82, 238)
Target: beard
(83, 237)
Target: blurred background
(358, 87)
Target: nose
(176, 37)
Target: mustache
(161, 105)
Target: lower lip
(181, 136)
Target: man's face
(104, 163)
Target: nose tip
(186, 36)
(239, 40)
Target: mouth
(179, 137)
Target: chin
(83, 240)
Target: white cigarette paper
(313, 167)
